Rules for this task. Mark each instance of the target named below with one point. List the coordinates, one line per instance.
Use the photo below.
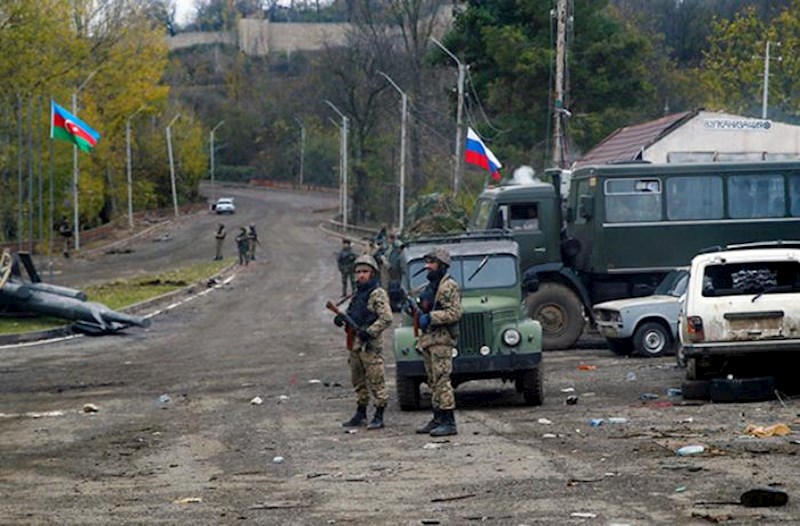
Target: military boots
(359, 418)
(377, 419)
(448, 425)
(433, 424)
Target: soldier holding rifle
(367, 316)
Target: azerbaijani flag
(478, 154)
(67, 127)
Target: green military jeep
(496, 338)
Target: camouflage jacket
(445, 316)
(378, 303)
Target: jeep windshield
(472, 272)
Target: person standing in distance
(220, 237)
(370, 310)
(252, 241)
(439, 324)
(345, 260)
(243, 246)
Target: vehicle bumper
(612, 330)
(477, 367)
(693, 350)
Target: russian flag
(478, 154)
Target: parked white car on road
(224, 205)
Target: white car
(224, 205)
(741, 318)
(647, 325)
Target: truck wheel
(559, 311)
(408, 393)
(652, 339)
(532, 388)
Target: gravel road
(171, 435)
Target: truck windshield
(499, 271)
(480, 217)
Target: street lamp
(403, 126)
(211, 151)
(302, 147)
(172, 163)
(75, 172)
(462, 73)
(344, 130)
(128, 153)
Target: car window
(762, 277)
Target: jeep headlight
(511, 337)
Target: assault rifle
(351, 327)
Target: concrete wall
(712, 136)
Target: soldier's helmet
(439, 254)
(367, 260)
(345, 241)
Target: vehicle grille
(472, 329)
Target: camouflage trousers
(438, 367)
(366, 373)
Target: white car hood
(628, 303)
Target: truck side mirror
(586, 206)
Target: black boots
(447, 426)
(359, 418)
(433, 424)
(377, 419)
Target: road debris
(694, 449)
(90, 408)
(188, 500)
(779, 429)
(455, 497)
(257, 401)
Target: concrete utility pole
(75, 172)
(172, 164)
(344, 148)
(302, 148)
(765, 96)
(561, 44)
(403, 140)
(211, 157)
(462, 75)
(128, 153)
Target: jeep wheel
(408, 393)
(559, 311)
(652, 339)
(532, 388)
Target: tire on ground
(408, 393)
(532, 386)
(652, 339)
(742, 389)
(695, 389)
(560, 312)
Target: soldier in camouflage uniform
(439, 324)
(345, 260)
(370, 310)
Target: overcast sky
(184, 10)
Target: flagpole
(75, 172)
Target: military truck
(496, 338)
(622, 227)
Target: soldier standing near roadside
(243, 246)
(439, 324)
(345, 260)
(220, 237)
(252, 240)
(370, 310)
(65, 231)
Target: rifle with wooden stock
(351, 327)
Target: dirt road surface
(175, 438)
